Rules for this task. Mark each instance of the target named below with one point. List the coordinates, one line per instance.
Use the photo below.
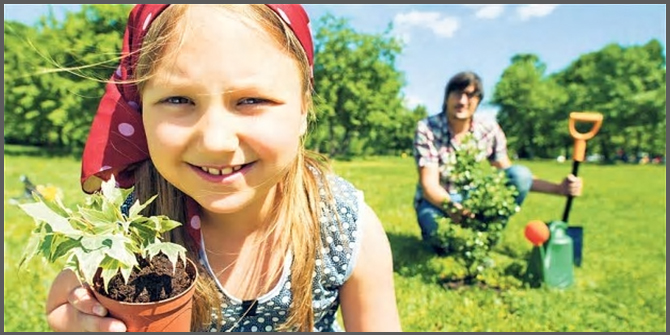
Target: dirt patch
(153, 281)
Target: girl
(208, 109)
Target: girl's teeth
(218, 172)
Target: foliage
(529, 108)
(98, 235)
(359, 107)
(55, 74)
(624, 83)
(627, 85)
(489, 196)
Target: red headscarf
(117, 140)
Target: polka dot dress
(333, 267)
(340, 241)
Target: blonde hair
(298, 205)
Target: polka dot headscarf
(117, 140)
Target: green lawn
(620, 286)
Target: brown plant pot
(170, 315)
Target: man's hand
(456, 212)
(571, 186)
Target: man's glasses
(470, 95)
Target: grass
(620, 286)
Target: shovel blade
(577, 235)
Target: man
(438, 136)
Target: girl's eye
(177, 100)
(252, 101)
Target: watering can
(558, 246)
(551, 262)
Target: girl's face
(223, 114)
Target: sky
(442, 40)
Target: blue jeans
(427, 214)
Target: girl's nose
(219, 132)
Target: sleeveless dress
(334, 265)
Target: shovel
(557, 247)
(576, 232)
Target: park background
(376, 76)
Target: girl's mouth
(220, 174)
(224, 171)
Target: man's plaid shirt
(433, 145)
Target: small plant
(98, 236)
(489, 196)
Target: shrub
(487, 194)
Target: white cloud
(528, 11)
(416, 17)
(412, 101)
(488, 11)
(443, 26)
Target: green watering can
(557, 246)
(551, 263)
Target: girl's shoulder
(340, 230)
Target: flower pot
(173, 314)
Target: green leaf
(101, 222)
(112, 210)
(125, 274)
(45, 247)
(41, 212)
(172, 250)
(136, 208)
(93, 242)
(119, 250)
(143, 231)
(31, 249)
(110, 267)
(63, 245)
(166, 224)
(89, 262)
(112, 193)
(146, 228)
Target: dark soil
(151, 282)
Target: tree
(55, 73)
(529, 105)
(358, 89)
(627, 85)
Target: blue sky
(445, 39)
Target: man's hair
(461, 81)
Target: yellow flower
(49, 192)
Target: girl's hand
(72, 307)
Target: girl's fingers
(67, 318)
(83, 300)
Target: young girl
(208, 109)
